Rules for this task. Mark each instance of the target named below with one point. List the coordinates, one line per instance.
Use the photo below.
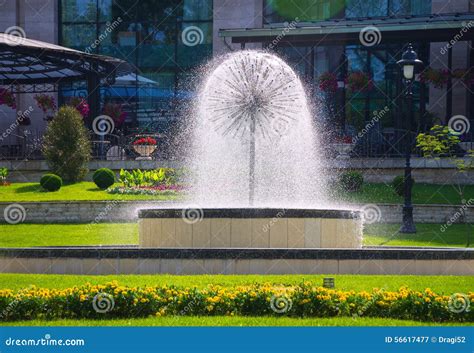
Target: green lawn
(441, 284)
(27, 235)
(422, 194)
(370, 193)
(426, 235)
(234, 321)
(24, 192)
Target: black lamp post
(408, 64)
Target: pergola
(29, 66)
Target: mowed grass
(29, 235)
(233, 321)
(370, 193)
(430, 235)
(84, 191)
(421, 194)
(439, 284)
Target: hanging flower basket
(116, 113)
(465, 75)
(359, 81)
(438, 78)
(81, 105)
(328, 82)
(7, 98)
(47, 104)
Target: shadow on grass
(29, 188)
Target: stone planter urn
(343, 150)
(144, 151)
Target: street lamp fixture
(408, 64)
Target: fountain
(254, 150)
(259, 197)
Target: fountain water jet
(255, 158)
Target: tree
(441, 142)
(67, 146)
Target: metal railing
(119, 147)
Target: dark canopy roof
(432, 28)
(31, 62)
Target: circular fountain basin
(249, 228)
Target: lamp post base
(408, 226)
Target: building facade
(167, 41)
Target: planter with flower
(438, 78)
(116, 113)
(343, 146)
(144, 146)
(3, 177)
(7, 98)
(328, 82)
(47, 104)
(359, 81)
(81, 106)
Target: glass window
(79, 11)
(149, 34)
(197, 10)
(279, 11)
(78, 37)
(302, 10)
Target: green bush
(351, 181)
(51, 182)
(66, 145)
(103, 178)
(398, 184)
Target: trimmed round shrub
(398, 184)
(51, 182)
(351, 181)
(103, 178)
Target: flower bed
(114, 301)
(146, 190)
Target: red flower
(81, 105)
(328, 82)
(359, 81)
(45, 102)
(146, 141)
